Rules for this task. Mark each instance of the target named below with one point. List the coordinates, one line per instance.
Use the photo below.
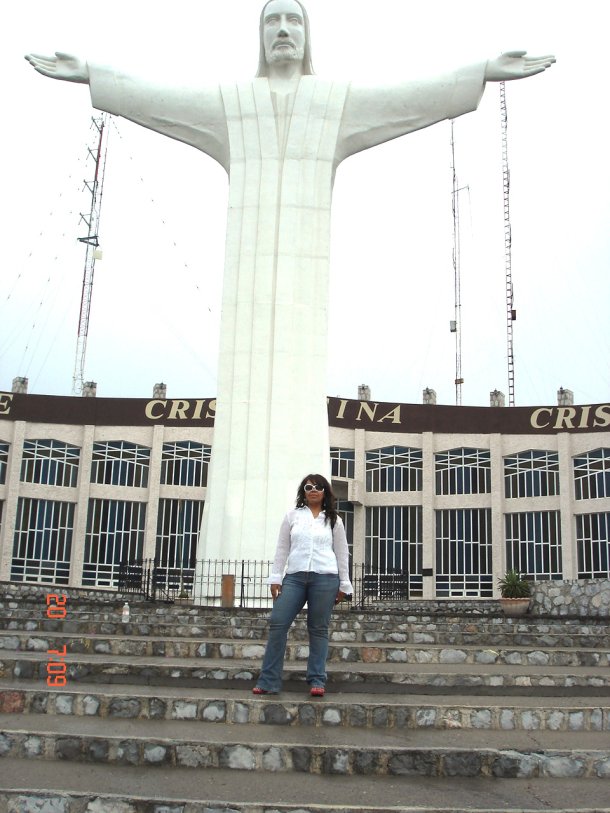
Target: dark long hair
(263, 68)
(329, 504)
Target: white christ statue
(280, 137)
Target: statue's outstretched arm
(61, 66)
(193, 115)
(516, 65)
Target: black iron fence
(381, 586)
(209, 582)
(240, 583)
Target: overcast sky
(156, 299)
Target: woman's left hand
(340, 596)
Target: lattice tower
(96, 155)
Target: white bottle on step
(125, 612)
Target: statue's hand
(61, 66)
(516, 65)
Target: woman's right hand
(276, 590)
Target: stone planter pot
(515, 606)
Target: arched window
(394, 468)
(119, 463)
(592, 475)
(185, 463)
(463, 471)
(531, 473)
(50, 463)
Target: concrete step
(239, 707)
(158, 733)
(363, 677)
(541, 635)
(348, 652)
(316, 750)
(55, 787)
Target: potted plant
(515, 593)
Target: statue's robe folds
(281, 154)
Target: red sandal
(260, 690)
(317, 691)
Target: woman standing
(312, 551)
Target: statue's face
(283, 31)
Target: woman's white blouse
(307, 543)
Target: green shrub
(513, 586)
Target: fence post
(227, 590)
(242, 583)
(146, 568)
(362, 596)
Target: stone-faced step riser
(117, 627)
(476, 609)
(299, 632)
(71, 802)
(299, 652)
(159, 674)
(158, 613)
(342, 618)
(25, 801)
(303, 713)
(313, 759)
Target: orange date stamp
(56, 667)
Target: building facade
(445, 499)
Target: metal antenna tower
(96, 152)
(511, 313)
(456, 324)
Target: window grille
(185, 463)
(178, 524)
(50, 463)
(533, 544)
(43, 541)
(393, 543)
(592, 475)
(531, 474)
(394, 468)
(345, 510)
(120, 463)
(593, 545)
(115, 532)
(342, 462)
(4, 447)
(463, 471)
(464, 553)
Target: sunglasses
(309, 487)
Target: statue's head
(284, 35)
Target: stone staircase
(423, 711)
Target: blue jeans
(319, 590)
